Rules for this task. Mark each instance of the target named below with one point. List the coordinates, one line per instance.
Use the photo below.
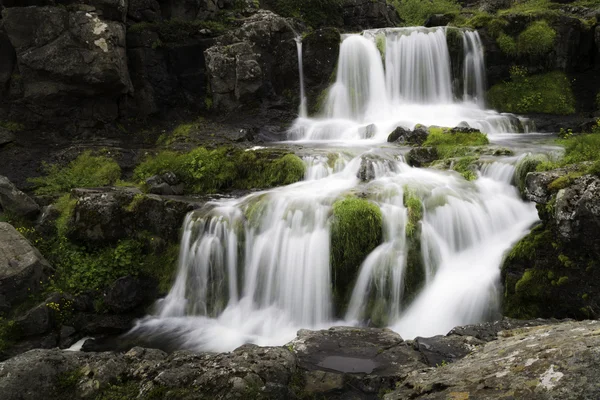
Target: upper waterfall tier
(404, 77)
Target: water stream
(256, 269)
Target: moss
(564, 181)
(356, 230)
(538, 38)
(454, 142)
(533, 9)
(416, 12)
(380, 41)
(9, 333)
(525, 165)
(65, 206)
(85, 171)
(549, 93)
(507, 44)
(65, 383)
(125, 391)
(414, 275)
(465, 167)
(12, 126)
(414, 208)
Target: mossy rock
(356, 230)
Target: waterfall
(302, 110)
(403, 77)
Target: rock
(416, 137)
(22, 268)
(421, 156)
(46, 221)
(144, 10)
(577, 212)
(37, 321)
(489, 331)
(370, 165)
(441, 350)
(6, 137)
(351, 362)
(368, 14)
(545, 362)
(491, 6)
(111, 214)
(128, 293)
(166, 184)
(16, 202)
(320, 53)
(438, 20)
(536, 185)
(367, 132)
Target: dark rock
(6, 137)
(368, 14)
(23, 270)
(351, 362)
(46, 222)
(128, 293)
(416, 137)
(577, 212)
(536, 185)
(441, 350)
(13, 201)
(438, 20)
(370, 164)
(367, 132)
(37, 321)
(489, 331)
(421, 156)
(144, 10)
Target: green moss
(507, 44)
(414, 275)
(538, 38)
(65, 206)
(564, 181)
(549, 93)
(451, 143)
(85, 171)
(533, 9)
(11, 126)
(464, 166)
(526, 248)
(416, 12)
(356, 230)
(381, 44)
(207, 171)
(65, 383)
(414, 207)
(525, 165)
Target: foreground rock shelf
(506, 359)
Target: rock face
(251, 64)
(14, 201)
(540, 362)
(420, 156)
(553, 272)
(546, 362)
(368, 14)
(107, 215)
(65, 57)
(22, 268)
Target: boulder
(544, 362)
(536, 185)
(577, 212)
(6, 136)
(405, 136)
(22, 268)
(128, 293)
(166, 184)
(442, 350)
(421, 156)
(15, 202)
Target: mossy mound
(210, 170)
(549, 93)
(356, 230)
(455, 142)
(525, 165)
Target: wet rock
(536, 185)
(166, 184)
(6, 137)
(489, 331)
(23, 270)
(367, 132)
(128, 293)
(37, 321)
(14, 201)
(368, 14)
(416, 137)
(421, 156)
(545, 362)
(348, 362)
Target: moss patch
(549, 93)
(414, 207)
(356, 230)
(416, 12)
(85, 171)
(527, 164)
(210, 170)
(538, 38)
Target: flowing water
(256, 269)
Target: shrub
(507, 44)
(537, 39)
(548, 93)
(416, 12)
(581, 148)
(85, 171)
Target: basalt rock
(15, 202)
(421, 156)
(416, 137)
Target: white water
(302, 111)
(257, 269)
(412, 86)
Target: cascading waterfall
(413, 85)
(302, 110)
(256, 269)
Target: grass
(549, 93)
(85, 171)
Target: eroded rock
(15, 202)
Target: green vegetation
(537, 39)
(356, 230)
(85, 171)
(525, 165)
(549, 93)
(454, 142)
(416, 12)
(316, 13)
(464, 166)
(11, 126)
(207, 171)
(507, 44)
(8, 333)
(414, 207)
